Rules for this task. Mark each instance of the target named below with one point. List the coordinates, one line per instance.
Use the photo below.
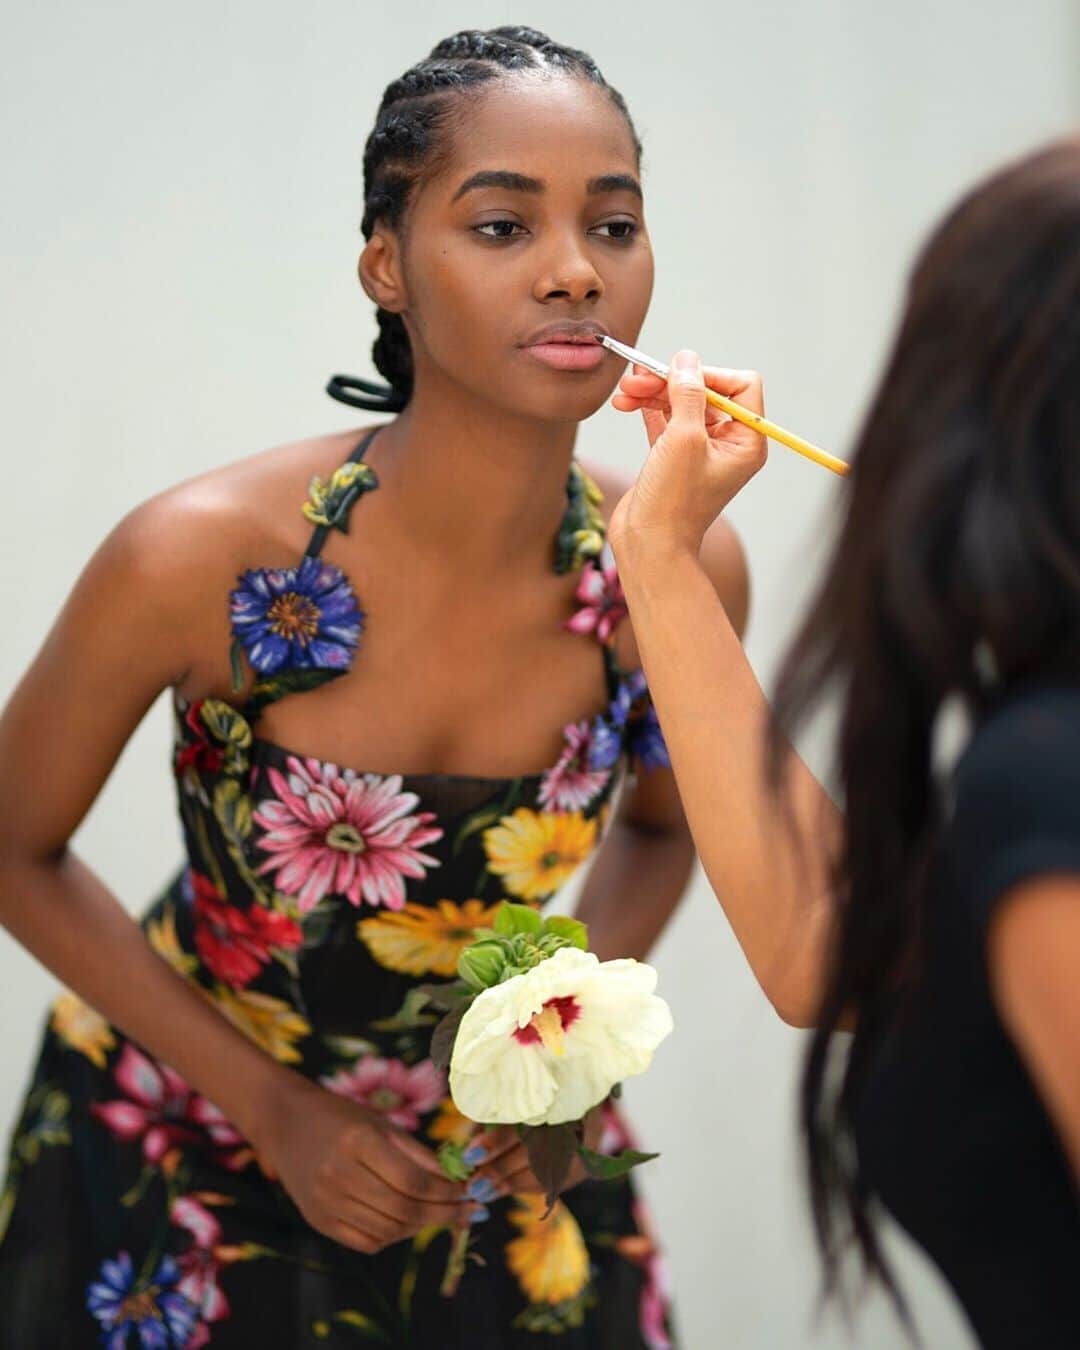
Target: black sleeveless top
(951, 1133)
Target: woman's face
(529, 238)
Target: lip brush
(762, 425)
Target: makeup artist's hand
(700, 458)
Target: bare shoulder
(173, 559)
(722, 552)
(244, 512)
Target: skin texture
(769, 869)
(453, 561)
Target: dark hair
(961, 540)
(408, 139)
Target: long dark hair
(406, 142)
(956, 574)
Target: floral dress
(313, 898)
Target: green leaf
(512, 919)
(236, 661)
(296, 681)
(551, 1150)
(444, 1036)
(357, 1321)
(601, 1167)
(572, 930)
(480, 820)
(443, 996)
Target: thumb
(686, 392)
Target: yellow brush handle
(764, 427)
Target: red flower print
(200, 753)
(235, 943)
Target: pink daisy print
(336, 832)
(571, 785)
(389, 1086)
(603, 606)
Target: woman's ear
(381, 274)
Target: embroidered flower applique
(329, 504)
(287, 618)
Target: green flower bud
(482, 964)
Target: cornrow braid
(406, 142)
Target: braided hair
(406, 143)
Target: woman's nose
(569, 275)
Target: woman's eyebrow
(519, 182)
(614, 182)
(499, 178)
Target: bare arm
(119, 641)
(643, 868)
(769, 869)
(1034, 960)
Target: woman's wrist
(262, 1095)
(638, 548)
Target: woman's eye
(618, 230)
(499, 229)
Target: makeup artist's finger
(686, 393)
(655, 423)
(741, 386)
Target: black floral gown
(313, 898)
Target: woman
(445, 622)
(940, 920)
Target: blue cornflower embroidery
(288, 618)
(162, 1318)
(631, 724)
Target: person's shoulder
(1015, 801)
(1029, 735)
(722, 554)
(240, 514)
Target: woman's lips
(568, 355)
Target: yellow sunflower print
(419, 940)
(536, 853)
(271, 1023)
(549, 1260)
(78, 1025)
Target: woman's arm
(1033, 950)
(119, 641)
(767, 858)
(641, 873)
(153, 594)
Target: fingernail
(475, 1154)
(687, 364)
(480, 1215)
(481, 1189)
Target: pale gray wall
(181, 188)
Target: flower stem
(455, 1264)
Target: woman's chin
(573, 399)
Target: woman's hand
(507, 1170)
(700, 457)
(356, 1179)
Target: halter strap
(320, 533)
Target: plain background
(182, 193)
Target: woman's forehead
(546, 129)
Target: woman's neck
(473, 482)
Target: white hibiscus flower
(547, 1046)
